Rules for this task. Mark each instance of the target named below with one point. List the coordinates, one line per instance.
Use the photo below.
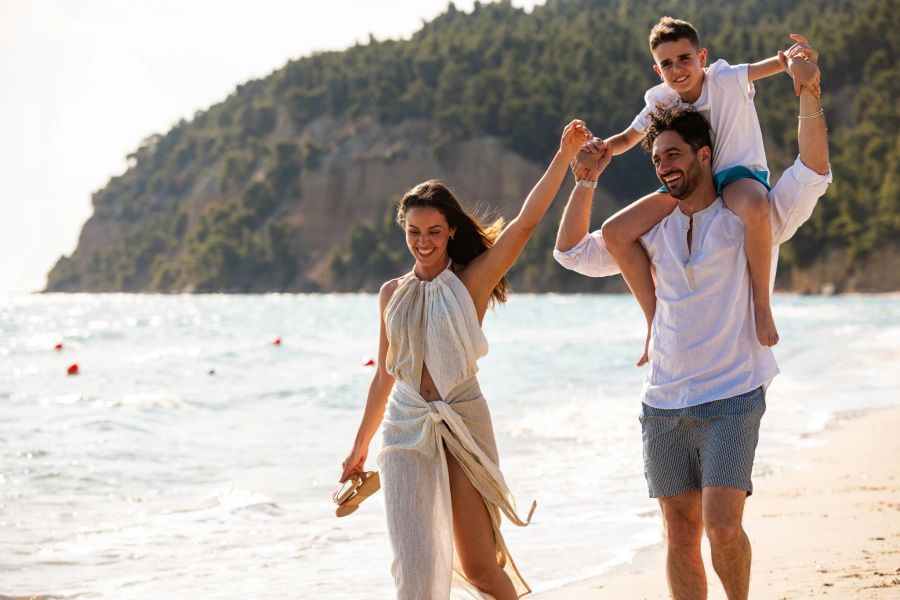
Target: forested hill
(288, 184)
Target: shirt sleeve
(734, 78)
(793, 199)
(655, 95)
(641, 121)
(589, 257)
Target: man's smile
(670, 178)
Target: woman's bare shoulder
(389, 287)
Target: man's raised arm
(812, 134)
(576, 219)
(794, 197)
(801, 62)
(575, 249)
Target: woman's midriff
(427, 389)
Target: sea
(194, 453)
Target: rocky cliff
(287, 184)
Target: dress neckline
(447, 269)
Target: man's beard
(689, 181)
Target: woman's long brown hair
(471, 237)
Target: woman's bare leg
(474, 536)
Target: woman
(443, 489)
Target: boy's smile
(681, 65)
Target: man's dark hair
(691, 125)
(672, 30)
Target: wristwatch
(586, 183)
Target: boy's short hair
(687, 122)
(671, 30)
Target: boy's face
(680, 65)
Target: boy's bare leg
(748, 199)
(621, 232)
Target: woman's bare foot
(765, 326)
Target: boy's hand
(594, 145)
(800, 62)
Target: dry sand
(830, 529)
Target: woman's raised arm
(485, 271)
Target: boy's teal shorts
(732, 174)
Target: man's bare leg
(621, 232)
(723, 510)
(683, 519)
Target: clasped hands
(801, 63)
(592, 159)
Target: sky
(82, 82)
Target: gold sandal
(350, 494)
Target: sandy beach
(829, 529)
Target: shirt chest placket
(691, 246)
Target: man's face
(680, 65)
(678, 167)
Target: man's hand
(592, 160)
(587, 159)
(800, 61)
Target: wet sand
(830, 528)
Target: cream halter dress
(434, 323)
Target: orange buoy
(73, 369)
(277, 341)
(58, 346)
(369, 363)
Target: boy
(724, 95)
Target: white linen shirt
(726, 102)
(703, 338)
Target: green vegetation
(374, 253)
(496, 71)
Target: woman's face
(427, 235)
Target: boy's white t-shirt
(727, 103)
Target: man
(704, 394)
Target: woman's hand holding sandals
(354, 464)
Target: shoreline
(777, 292)
(829, 527)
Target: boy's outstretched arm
(776, 64)
(765, 68)
(617, 144)
(625, 141)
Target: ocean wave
(233, 499)
(149, 400)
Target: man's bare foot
(765, 326)
(645, 358)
